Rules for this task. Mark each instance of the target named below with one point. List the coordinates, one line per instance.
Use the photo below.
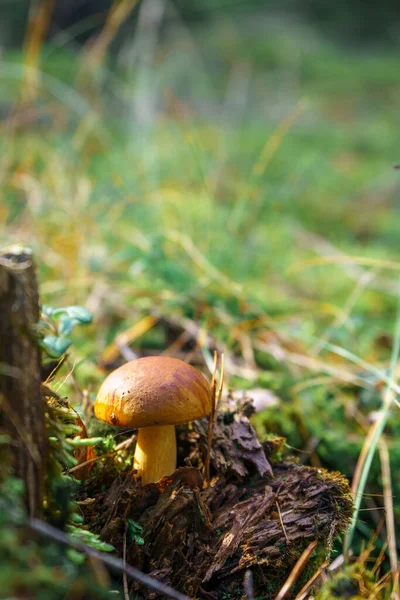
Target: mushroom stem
(155, 454)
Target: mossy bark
(21, 403)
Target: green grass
(193, 186)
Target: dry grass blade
(124, 444)
(312, 364)
(53, 372)
(203, 264)
(372, 440)
(390, 523)
(340, 320)
(119, 12)
(340, 260)
(302, 595)
(221, 384)
(274, 141)
(126, 337)
(379, 374)
(353, 271)
(362, 458)
(281, 520)
(296, 571)
(214, 373)
(211, 418)
(39, 21)
(125, 576)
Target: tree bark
(22, 407)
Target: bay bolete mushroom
(154, 394)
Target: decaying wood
(202, 540)
(235, 449)
(22, 407)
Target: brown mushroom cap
(153, 391)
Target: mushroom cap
(152, 391)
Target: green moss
(353, 583)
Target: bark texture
(21, 403)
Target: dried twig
(111, 561)
(211, 419)
(125, 576)
(221, 384)
(123, 340)
(248, 585)
(296, 571)
(119, 12)
(39, 21)
(390, 523)
(281, 520)
(216, 393)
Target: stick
(390, 518)
(248, 585)
(211, 420)
(125, 575)
(281, 520)
(111, 561)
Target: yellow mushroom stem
(155, 454)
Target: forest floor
(230, 189)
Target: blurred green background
(220, 173)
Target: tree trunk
(21, 403)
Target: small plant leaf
(134, 531)
(76, 518)
(80, 314)
(78, 442)
(67, 324)
(55, 346)
(56, 312)
(87, 537)
(75, 556)
(47, 310)
(138, 540)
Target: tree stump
(22, 408)
(259, 513)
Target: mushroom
(154, 394)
